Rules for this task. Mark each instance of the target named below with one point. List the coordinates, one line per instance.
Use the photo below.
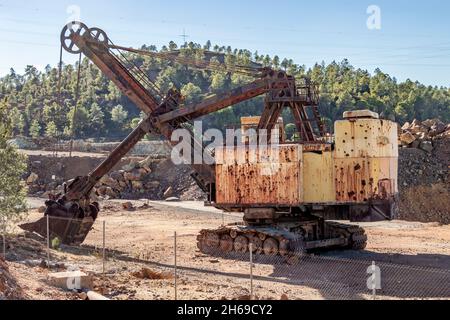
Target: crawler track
(270, 241)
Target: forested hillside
(34, 108)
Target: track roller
(271, 247)
(241, 244)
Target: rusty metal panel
(359, 138)
(247, 177)
(364, 179)
(318, 177)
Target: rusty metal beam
(99, 54)
(217, 102)
(122, 150)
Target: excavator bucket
(69, 232)
(65, 220)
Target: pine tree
(17, 121)
(119, 114)
(35, 129)
(51, 131)
(96, 119)
(13, 206)
(191, 93)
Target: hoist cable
(195, 63)
(77, 96)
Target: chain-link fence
(165, 263)
(311, 277)
(252, 275)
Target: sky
(407, 39)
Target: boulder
(426, 146)
(106, 191)
(417, 127)
(143, 172)
(445, 135)
(130, 166)
(110, 182)
(146, 164)
(32, 178)
(74, 280)
(123, 185)
(117, 175)
(422, 136)
(101, 190)
(137, 185)
(437, 129)
(429, 123)
(406, 126)
(407, 138)
(127, 206)
(134, 175)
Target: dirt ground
(414, 259)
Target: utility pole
(184, 36)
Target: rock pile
(151, 179)
(425, 156)
(424, 135)
(424, 180)
(417, 167)
(131, 179)
(39, 186)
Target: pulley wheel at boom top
(68, 31)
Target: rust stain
(263, 182)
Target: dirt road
(414, 259)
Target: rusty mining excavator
(290, 204)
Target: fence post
(251, 271)
(374, 288)
(104, 246)
(48, 241)
(4, 242)
(175, 265)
